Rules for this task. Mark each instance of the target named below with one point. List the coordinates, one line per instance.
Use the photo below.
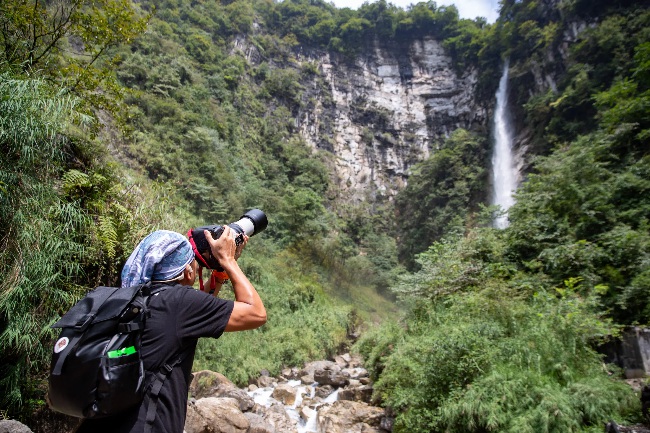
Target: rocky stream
(324, 396)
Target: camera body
(249, 224)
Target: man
(179, 316)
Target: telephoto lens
(249, 224)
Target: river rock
(613, 427)
(350, 417)
(278, 417)
(265, 381)
(258, 424)
(205, 383)
(340, 361)
(306, 412)
(355, 361)
(290, 373)
(215, 415)
(357, 393)
(13, 426)
(307, 373)
(285, 393)
(331, 376)
(211, 384)
(324, 391)
(356, 372)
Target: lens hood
(258, 218)
(251, 223)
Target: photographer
(179, 316)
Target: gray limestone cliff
(392, 105)
(385, 111)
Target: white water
(504, 170)
(262, 396)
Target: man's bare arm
(249, 311)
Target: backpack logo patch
(61, 344)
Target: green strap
(121, 352)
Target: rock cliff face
(393, 104)
(386, 110)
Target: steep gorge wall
(386, 110)
(393, 104)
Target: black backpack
(97, 369)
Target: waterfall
(504, 170)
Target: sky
(466, 8)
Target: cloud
(475, 8)
(466, 8)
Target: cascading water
(504, 170)
(263, 396)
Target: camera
(249, 224)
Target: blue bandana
(160, 256)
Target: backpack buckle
(166, 369)
(84, 322)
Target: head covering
(160, 256)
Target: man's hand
(241, 246)
(248, 311)
(225, 246)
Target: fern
(75, 179)
(107, 233)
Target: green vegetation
(501, 326)
(127, 130)
(486, 348)
(442, 192)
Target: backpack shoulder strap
(156, 386)
(159, 377)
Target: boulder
(278, 417)
(205, 383)
(290, 373)
(356, 372)
(13, 426)
(324, 391)
(306, 412)
(285, 394)
(265, 381)
(361, 393)
(258, 424)
(331, 376)
(340, 361)
(349, 417)
(355, 361)
(211, 384)
(215, 415)
(244, 400)
(307, 373)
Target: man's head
(189, 274)
(162, 256)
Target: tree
(441, 191)
(64, 40)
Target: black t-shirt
(180, 315)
